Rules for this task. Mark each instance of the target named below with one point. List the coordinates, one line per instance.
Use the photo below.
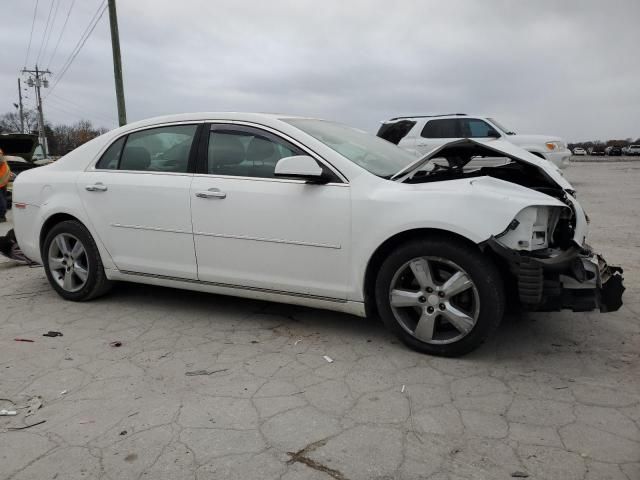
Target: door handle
(96, 187)
(211, 193)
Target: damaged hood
(501, 148)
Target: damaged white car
(315, 213)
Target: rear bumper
(575, 279)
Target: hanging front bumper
(575, 279)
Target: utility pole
(117, 63)
(20, 103)
(37, 79)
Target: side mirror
(301, 167)
(492, 134)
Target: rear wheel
(72, 262)
(440, 297)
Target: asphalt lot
(213, 387)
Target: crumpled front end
(575, 279)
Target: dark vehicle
(596, 150)
(613, 151)
(18, 151)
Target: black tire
(97, 283)
(482, 272)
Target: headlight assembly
(531, 229)
(553, 146)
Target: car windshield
(501, 127)
(374, 154)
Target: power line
(80, 108)
(64, 26)
(44, 33)
(53, 24)
(33, 24)
(80, 44)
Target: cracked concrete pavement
(551, 396)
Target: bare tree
(10, 122)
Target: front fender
(475, 209)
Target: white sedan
(310, 212)
(579, 151)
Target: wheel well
(387, 247)
(51, 222)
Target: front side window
(475, 128)
(445, 128)
(246, 153)
(163, 149)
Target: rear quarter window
(110, 158)
(394, 132)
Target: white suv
(421, 134)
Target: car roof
(204, 116)
(434, 116)
(411, 117)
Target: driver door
(253, 230)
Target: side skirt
(313, 301)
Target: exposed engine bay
(542, 249)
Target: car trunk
(19, 148)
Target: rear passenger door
(437, 132)
(137, 199)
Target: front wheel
(72, 262)
(440, 296)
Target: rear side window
(445, 128)
(394, 132)
(111, 157)
(163, 149)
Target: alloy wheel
(434, 300)
(68, 262)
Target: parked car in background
(633, 150)
(596, 150)
(421, 134)
(579, 151)
(18, 149)
(310, 212)
(613, 151)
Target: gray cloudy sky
(569, 68)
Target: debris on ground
(52, 334)
(123, 432)
(24, 340)
(27, 426)
(117, 343)
(328, 358)
(7, 413)
(402, 391)
(63, 392)
(33, 405)
(297, 341)
(520, 475)
(204, 372)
